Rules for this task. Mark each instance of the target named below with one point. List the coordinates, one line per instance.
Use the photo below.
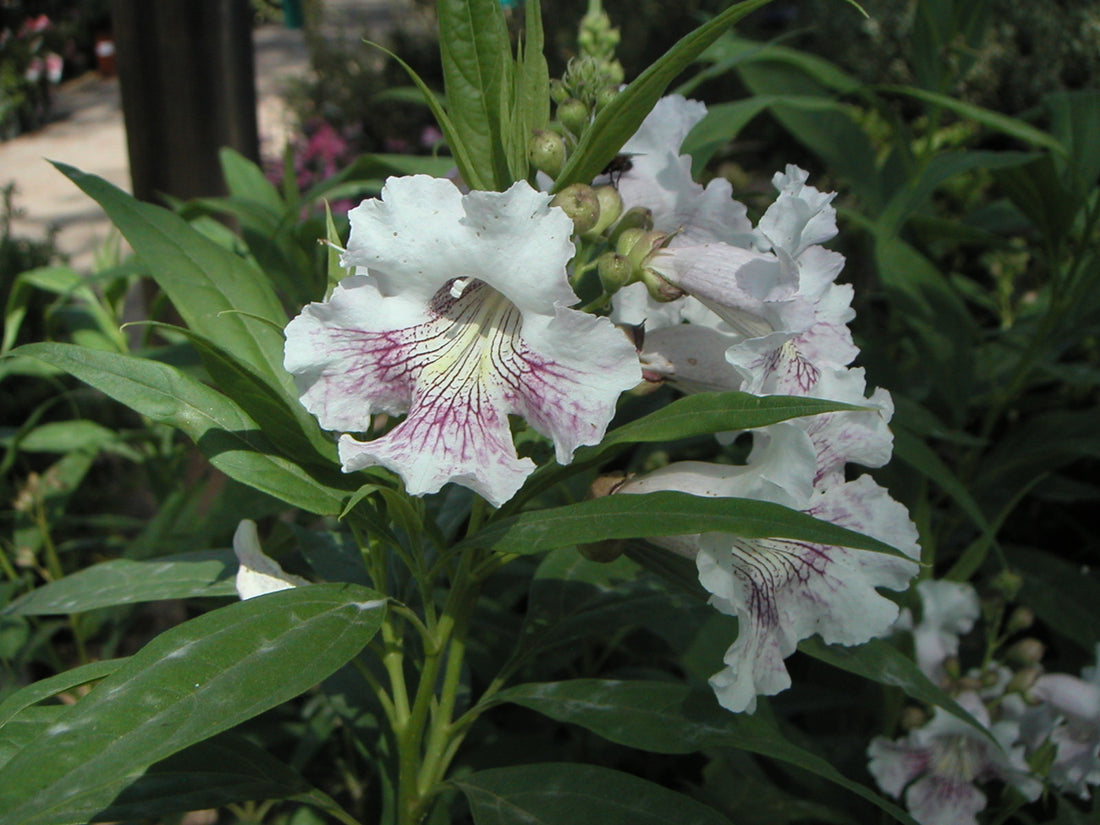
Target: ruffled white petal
(949, 609)
(458, 317)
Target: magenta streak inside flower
(456, 318)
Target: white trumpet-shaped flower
(782, 590)
(458, 317)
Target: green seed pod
(546, 152)
(636, 217)
(573, 115)
(611, 206)
(615, 271)
(581, 204)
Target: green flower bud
(636, 217)
(626, 240)
(611, 206)
(1025, 653)
(602, 552)
(546, 152)
(581, 204)
(573, 116)
(1021, 619)
(1024, 680)
(615, 271)
(660, 289)
(605, 96)
(1008, 584)
(649, 243)
(912, 718)
(558, 92)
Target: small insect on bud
(611, 206)
(573, 115)
(546, 152)
(615, 271)
(581, 204)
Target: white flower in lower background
(458, 316)
(937, 767)
(781, 590)
(258, 573)
(948, 611)
(1070, 711)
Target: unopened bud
(1026, 652)
(581, 204)
(1008, 584)
(951, 667)
(1024, 680)
(546, 152)
(604, 97)
(611, 206)
(573, 115)
(912, 718)
(626, 240)
(660, 289)
(645, 246)
(605, 485)
(636, 217)
(558, 92)
(615, 271)
(602, 552)
(1021, 619)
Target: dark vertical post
(188, 88)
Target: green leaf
(123, 581)
(621, 118)
(992, 120)
(477, 70)
(66, 436)
(455, 140)
(212, 774)
(43, 689)
(880, 662)
(698, 414)
(221, 430)
(667, 717)
(941, 168)
(661, 514)
(246, 180)
(189, 684)
(1065, 596)
(570, 794)
(201, 278)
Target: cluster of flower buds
(1034, 725)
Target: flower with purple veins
(458, 317)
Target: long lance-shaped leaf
(223, 432)
(477, 71)
(662, 514)
(570, 794)
(622, 116)
(203, 573)
(700, 414)
(203, 280)
(189, 684)
(44, 689)
(666, 717)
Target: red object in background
(105, 55)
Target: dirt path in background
(87, 132)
